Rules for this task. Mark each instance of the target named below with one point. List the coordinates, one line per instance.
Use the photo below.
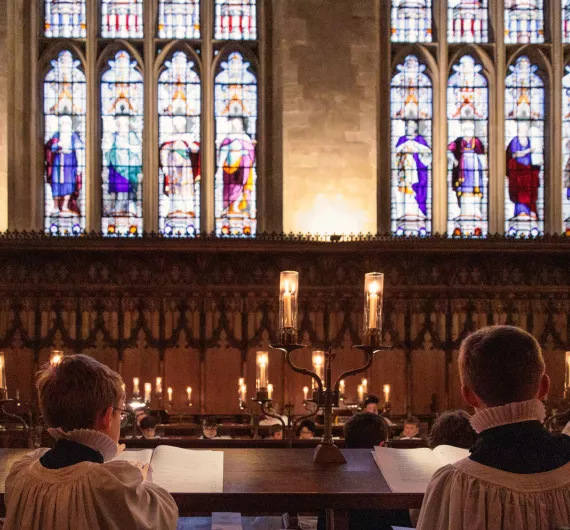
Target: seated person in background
(411, 429)
(209, 428)
(518, 474)
(77, 484)
(276, 432)
(371, 404)
(452, 428)
(148, 426)
(306, 430)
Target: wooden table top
(264, 481)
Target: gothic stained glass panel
(566, 151)
(121, 146)
(235, 95)
(524, 136)
(179, 108)
(65, 107)
(236, 20)
(467, 21)
(467, 119)
(411, 21)
(524, 21)
(179, 19)
(566, 21)
(122, 19)
(65, 18)
(411, 144)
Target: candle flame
(318, 359)
(373, 288)
(241, 381)
(262, 359)
(136, 381)
(270, 387)
(147, 387)
(158, 381)
(55, 359)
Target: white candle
(262, 364)
(287, 311)
(56, 357)
(270, 391)
(243, 392)
(189, 394)
(360, 394)
(136, 386)
(147, 391)
(364, 384)
(241, 382)
(169, 390)
(2, 371)
(386, 390)
(159, 385)
(373, 306)
(341, 385)
(305, 392)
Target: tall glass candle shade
(147, 391)
(288, 303)
(373, 296)
(262, 367)
(318, 367)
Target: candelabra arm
(287, 350)
(299, 419)
(11, 415)
(271, 415)
(369, 351)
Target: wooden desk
(270, 481)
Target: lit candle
(373, 289)
(243, 392)
(241, 382)
(305, 392)
(270, 391)
(287, 320)
(147, 391)
(364, 384)
(373, 305)
(189, 394)
(159, 385)
(262, 364)
(2, 371)
(341, 386)
(288, 289)
(386, 390)
(169, 390)
(319, 364)
(56, 357)
(360, 394)
(136, 389)
(567, 377)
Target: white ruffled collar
(530, 410)
(94, 439)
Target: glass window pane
(179, 19)
(121, 146)
(179, 108)
(236, 103)
(411, 114)
(524, 21)
(524, 135)
(236, 20)
(566, 151)
(122, 19)
(411, 21)
(565, 20)
(467, 21)
(468, 177)
(65, 107)
(65, 18)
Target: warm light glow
(136, 389)
(341, 386)
(147, 391)
(56, 357)
(3, 383)
(189, 393)
(373, 288)
(305, 392)
(159, 385)
(270, 391)
(567, 376)
(373, 291)
(169, 391)
(360, 393)
(386, 390)
(364, 384)
(288, 292)
(262, 361)
(243, 392)
(241, 382)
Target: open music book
(410, 470)
(181, 470)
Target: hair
(412, 420)
(210, 421)
(310, 424)
(452, 428)
(365, 430)
(276, 428)
(371, 399)
(148, 422)
(501, 364)
(75, 391)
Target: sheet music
(447, 454)
(136, 455)
(188, 471)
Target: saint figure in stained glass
(179, 136)
(64, 148)
(467, 21)
(122, 19)
(122, 109)
(236, 19)
(236, 167)
(411, 21)
(179, 19)
(65, 18)
(411, 111)
(524, 21)
(467, 115)
(524, 106)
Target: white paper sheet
(136, 455)
(447, 454)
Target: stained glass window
(236, 19)
(467, 119)
(411, 21)
(565, 20)
(467, 21)
(566, 151)
(524, 21)
(524, 134)
(121, 146)
(65, 107)
(179, 146)
(65, 18)
(122, 19)
(235, 94)
(179, 19)
(411, 114)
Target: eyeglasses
(125, 415)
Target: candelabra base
(328, 454)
